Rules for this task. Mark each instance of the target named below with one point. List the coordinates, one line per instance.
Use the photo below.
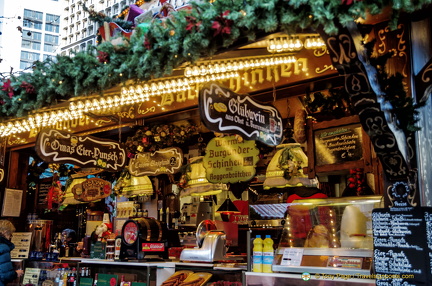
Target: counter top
(158, 264)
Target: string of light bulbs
(203, 72)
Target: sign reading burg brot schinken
(55, 146)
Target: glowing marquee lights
(201, 73)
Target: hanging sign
(55, 146)
(91, 190)
(164, 161)
(229, 161)
(224, 111)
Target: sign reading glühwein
(165, 161)
(224, 111)
(55, 146)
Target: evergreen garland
(156, 48)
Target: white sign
(12, 202)
(22, 242)
(31, 276)
(292, 256)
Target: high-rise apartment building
(78, 31)
(30, 31)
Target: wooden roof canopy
(164, 49)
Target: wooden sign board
(164, 161)
(228, 160)
(55, 146)
(224, 111)
(338, 144)
(91, 190)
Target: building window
(52, 28)
(34, 36)
(52, 23)
(30, 45)
(51, 39)
(50, 48)
(33, 19)
(53, 19)
(31, 40)
(29, 56)
(32, 24)
(33, 15)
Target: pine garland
(156, 48)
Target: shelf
(315, 280)
(334, 252)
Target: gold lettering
(167, 99)
(246, 80)
(181, 96)
(286, 70)
(193, 93)
(235, 84)
(260, 73)
(300, 66)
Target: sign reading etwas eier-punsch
(222, 110)
(55, 146)
(227, 160)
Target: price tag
(292, 256)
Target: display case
(325, 238)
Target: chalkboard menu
(338, 145)
(402, 245)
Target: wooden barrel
(151, 229)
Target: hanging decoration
(357, 185)
(7, 87)
(156, 137)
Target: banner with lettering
(164, 161)
(228, 160)
(55, 146)
(222, 110)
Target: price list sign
(402, 245)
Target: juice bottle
(268, 254)
(257, 257)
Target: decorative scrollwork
(400, 194)
(342, 48)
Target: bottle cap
(258, 236)
(267, 236)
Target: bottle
(71, 281)
(57, 280)
(95, 280)
(65, 278)
(268, 254)
(122, 280)
(257, 254)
